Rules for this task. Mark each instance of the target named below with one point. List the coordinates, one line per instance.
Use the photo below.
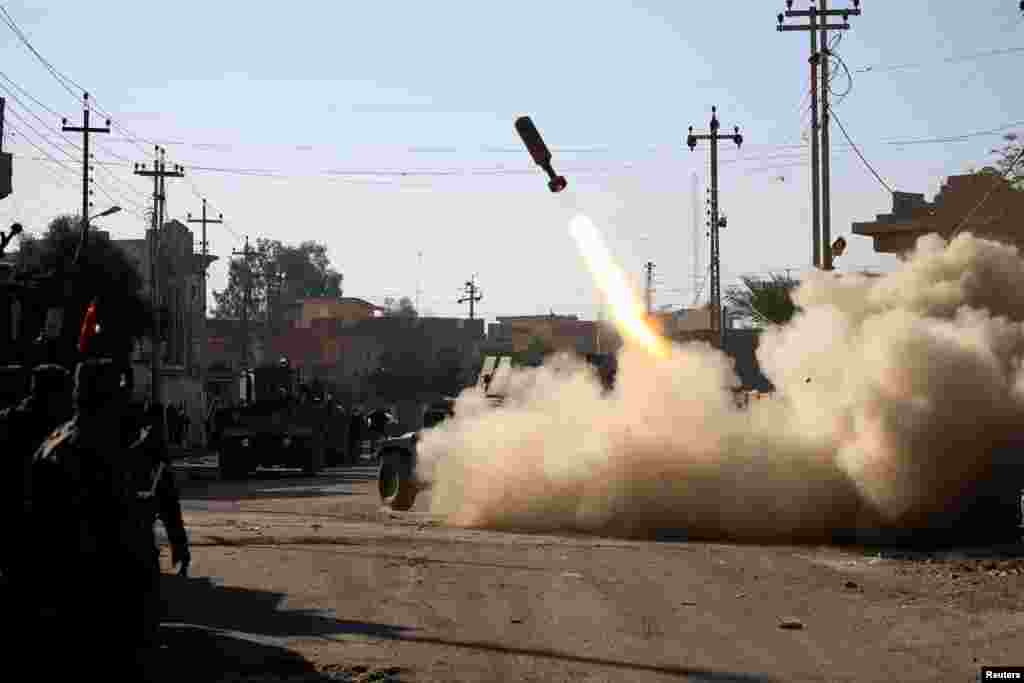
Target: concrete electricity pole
(201, 360)
(247, 254)
(818, 21)
(472, 296)
(716, 222)
(649, 287)
(84, 129)
(826, 197)
(158, 174)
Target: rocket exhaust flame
(918, 389)
(627, 311)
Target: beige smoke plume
(893, 396)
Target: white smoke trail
(893, 395)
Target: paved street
(314, 572)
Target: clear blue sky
(304, 88)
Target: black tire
(313, 456)
(233, 464)
(395, 482)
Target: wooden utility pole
(716, 221)
(203, 338)
(649, 287)
(158, 174)
(821, 220)
(472, 296)
(85, 130)
(247, 253)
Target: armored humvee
(397, 479)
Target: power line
(67, 140)
(948, 60)
(14, 129)
(957, 138)
(41, 136)
(60, 78)
(1005, 174)
(855, 149)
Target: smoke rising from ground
(893, 393)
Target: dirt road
(312, 571)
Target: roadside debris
(791, 624)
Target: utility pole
(818, 21)
(649, 288)
(6, 160)
(203, 339)
(716, 222)
(84, 129)
(697, 271)
(158, 174)
(472, 296)
(826, 196)
(247, 253)
(419, 280)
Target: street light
(85, 231)
(112, 210)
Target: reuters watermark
(1002, 673)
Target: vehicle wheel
(313, 460)
(232, 465)
(395, 482)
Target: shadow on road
(254, 626)
(200, 655)
(278, 484)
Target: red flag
(89, 328)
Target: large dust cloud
(892, 395)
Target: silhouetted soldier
(356, 425)
(159, 492)
(22, 429)
(88, 556)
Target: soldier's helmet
(50, 378)
(98, 383)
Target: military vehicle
(397, 481)
(279, 421)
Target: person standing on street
(22, 429)
(82, 509)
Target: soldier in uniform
(88, 553)
(159, 496)
(22, 429)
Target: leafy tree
(105, 273)
(403, 308)
(278, 275)
(764, 301)
(534, 353)
(1006, 156)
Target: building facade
(983, 204)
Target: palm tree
(764, 301)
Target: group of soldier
(87, 475)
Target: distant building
(984, 204)
(304, 311)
